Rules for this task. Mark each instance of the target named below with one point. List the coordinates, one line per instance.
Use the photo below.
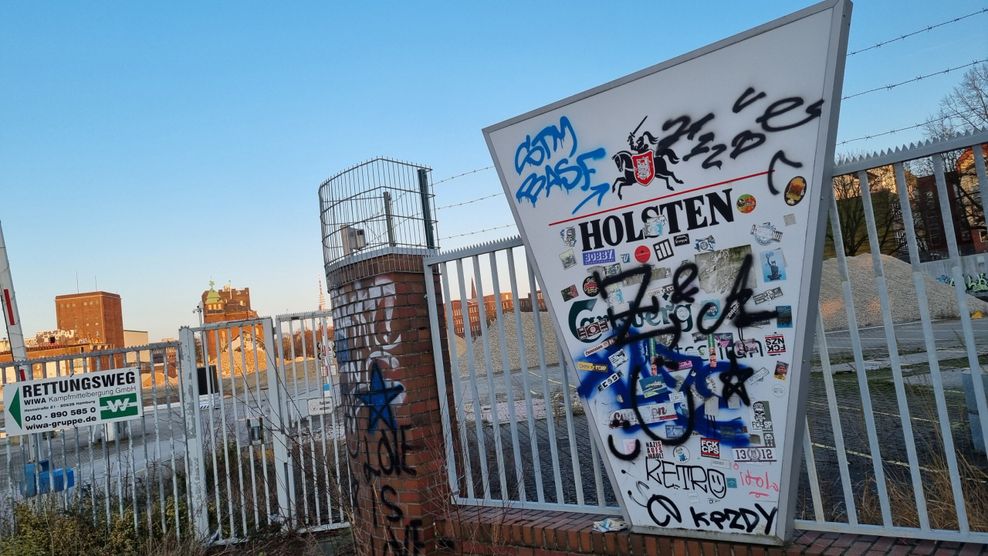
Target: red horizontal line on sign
(660, 197)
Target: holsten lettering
(694, 213)
(94, 381)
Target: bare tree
(965, 108)
(853, 221)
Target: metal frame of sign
(811, 265)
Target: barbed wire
(889, 132)
(478, 231)
(916, 32)
(906, 128)
(470, 202)
(913, 80)
(467, 173)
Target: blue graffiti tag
(690, 415)
(548, 159)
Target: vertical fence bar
(91, 436)
(149, 466)
(570, 431)
(236, 435)
(157, 439)
(505, 369)
(961, 292)
(811, 473)
(171, 433)
(598, 478)
(322, 353)
(107, 496)
(204, 342)
(194, 456)
(488, 367)
(255, 498)
(266, 425)
(437, 351)
(860, 372)
(312, 445)
(228, 470)
(524, 370)
(458, 393)
(477, 412)
(282, 458)
(929, 339)
(889, 328)
(65, 462)
(835, 424)
(297, 418)
(61, 437)
(549, 417)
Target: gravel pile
(902, 294)
(511, 342)
(868, 310)
(238, 362)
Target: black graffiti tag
(683, 290)
(778, 116)
(664, 512)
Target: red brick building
(94, 316)
(490, 307)
(225, 305)
(965, 210)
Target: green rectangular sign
(118, 407)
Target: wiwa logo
(116, 407)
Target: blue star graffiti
(377, 397)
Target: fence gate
(267, 425)
(896, 422)
(134, 470)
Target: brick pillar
(390, 398)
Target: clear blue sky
(150, 147)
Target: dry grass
(937, 488)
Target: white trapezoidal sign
(675, 218)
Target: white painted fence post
(282, 455)
(189, 393)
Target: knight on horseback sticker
(646, 164)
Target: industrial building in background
(227, 345)
(96, 316)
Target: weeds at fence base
(48, 529)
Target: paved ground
(948, 335)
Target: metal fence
(314, 421)
(239, 434)
(270, 457)
(132, 470)
(518, 440)
(894, 447)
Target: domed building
(232, 347)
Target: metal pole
(189, 401)
(388, 219)
(430, 240)
(12, 319)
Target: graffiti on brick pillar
(378, 445)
